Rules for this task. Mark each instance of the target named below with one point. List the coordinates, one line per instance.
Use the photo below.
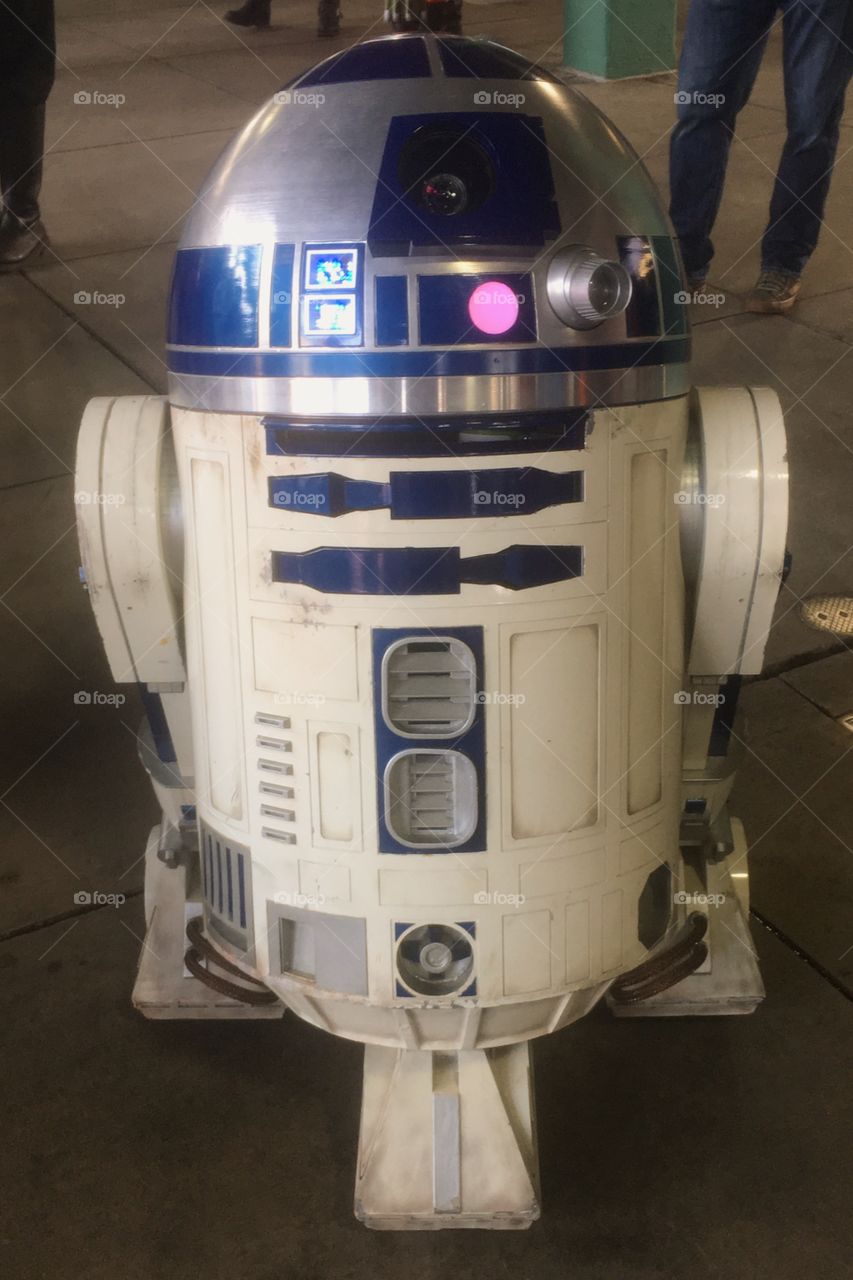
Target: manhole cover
(829, 613)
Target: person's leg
(27, 58)
(723, 45)
(818, 61)
(328, 18)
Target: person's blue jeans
(724, 41)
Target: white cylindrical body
(572, 732)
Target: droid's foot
(254, 13)
(729, 981)
(775, 293)
(164, 987)
(447, 1140)
(22, 244)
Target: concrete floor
(136, 1150)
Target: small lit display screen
(331, 268)
(330, 315)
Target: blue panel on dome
(214, 297)
(402, 59)
(671, 296)
(502, 155)
(443, 309)
(642, 316)
(483, 60)
(392, 311)
(281, 296)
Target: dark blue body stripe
(431, 436)
(425, 571)
(429, 495)
(242, 888)
(421, 364)
(230, 891)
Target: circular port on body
(584, 289)
(435, 959)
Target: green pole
(610, 39)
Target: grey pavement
(709, 1147)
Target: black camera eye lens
(445, 171)
(445, 194)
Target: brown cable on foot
(664, 970)
(202, 948)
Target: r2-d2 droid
(438, 581)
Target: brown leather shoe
(775, 293)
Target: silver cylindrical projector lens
(584, 289)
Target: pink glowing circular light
(493, 307)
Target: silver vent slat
(272, 721)
(429, 687)
(431, 798)
(276, 766)
(284, 837)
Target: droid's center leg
(447, 1140)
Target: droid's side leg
(734, 522)
(129, 529)
(447, 1140)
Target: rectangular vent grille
(431, 798)
(429, 687)
(269, 810)
(225, 873)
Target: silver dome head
(422, 225)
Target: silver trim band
(497, 393)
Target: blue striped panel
(214, 297)
(281, 297)
(424, 571)
(374, 60)
(669, 279)
(392, 311)
(429, 495)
